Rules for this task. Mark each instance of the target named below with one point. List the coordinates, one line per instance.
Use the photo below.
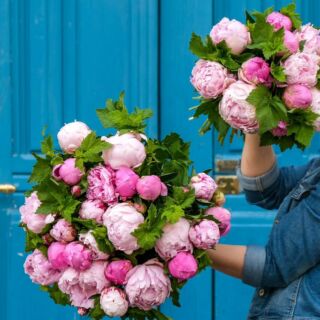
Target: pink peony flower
(183, 266)
(113, 302)
(35, 222)
(127, 151)
(279, 20)
(117, 270)
(315, 106)
(77, 256)
(205, 234)
(40, 269)
(126, 181)
(233, 32)
(63, 231)
(297, 96)
(302, 68)
(281, 130)
(121, 220)
(236, 111)
(224, 216)
(92, 209)
(204, 186)
(210, 78)
(76, 191)
(255, 71)
(101, 185)
(67, 172)
(311, 36)
(71, 136)
(89, 240)
(147, 285)
(291, 41)
(175, 238)
(151, 187)
(56, 256)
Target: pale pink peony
(67, 172)
(281, 130)
(236, 110)
(151, 187)
(279, 20)
(113, 302)
(224, 216)
(302, 68)
(35, 222)
(297, 96)
(92, 209)
(78, 256)
(233, 32)
(71, 136)
(175, 238)
(315, 106)
(117, 270)
(56, 256)
(121, 220)
(204, 235)
(147, 285)
(255, 71)
(210, 78)
(183, 266)
(101, 185)
(311, 36)
(63, 231)
(204, 186)
(127, 151)
(291, 41)
(126, 182)
(90, 241)
(40, 269)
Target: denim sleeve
(269, 190)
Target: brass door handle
(7, 188)
(228, 184)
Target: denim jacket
(286, 272)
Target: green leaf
(249, 18)
(183, 198)
(172, 213)
(203, 259)
(277, 72)
(41, 170)
(96, 313)
(101, 235)
(290, 11)
(56, 294)
(175, 293)
(47, 146)
(33, 241)
(70, 206)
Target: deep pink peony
(92, 209)
(204, 235)
(281, 130)
(35, 222)
(40, 269)
(291, 41)
(56, 256)
(311, 36)
(302, 68)
(127, 151)
(63, 231)
(255, 71)
(183, 266)
(315, 106)
(279, 20)
(297, 96)
(121, 220)
(151, 187)
(210, 78)
(233, 32)
(67, 172)
(71, 136)
(224, 216)
(126, 182)
(77, 256)
(147, 285)
(89, 241)
(113, 302)
(204, 186)
(101, 185)
(175, 238)
(236, 111)
(117, 270)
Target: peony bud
(126, 180)
(297, 96)
(116, 271)
(67, 172)
(183, 266)
(224, 216)
(219, 198)
(281, 129)
(279, 20)
(77, 256)
(204, 186)
(63, 231)
(113, 302)
(255, 71)
(291, 42)
(76, 191)
(56, 256)
(151, 187)
(204, 235)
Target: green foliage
(115, 115)
(101, 235)
(277, 72)
(96, 313)
(290, 11)
(137, 314)
(175, 293)
(202, 258)
(34, 241)
(56, 294)
(41, 170)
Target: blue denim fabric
(286, 272)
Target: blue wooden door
(59, 60)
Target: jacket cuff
(254, 261)
(259, 183)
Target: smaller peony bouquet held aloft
(115, 224)
(260, 77)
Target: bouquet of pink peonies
(116, 224)
(260, 77)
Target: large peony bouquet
(262, 76)
(115, 224)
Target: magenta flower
(183, 266)
(255, 71)
(67, 172)
(279, 20)
(224, 216)
(281, 130)
(77, 256)
(297, 96)
(151, 187)
(117, 270)
(291, 41)
(56, 256)
(126, 181)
